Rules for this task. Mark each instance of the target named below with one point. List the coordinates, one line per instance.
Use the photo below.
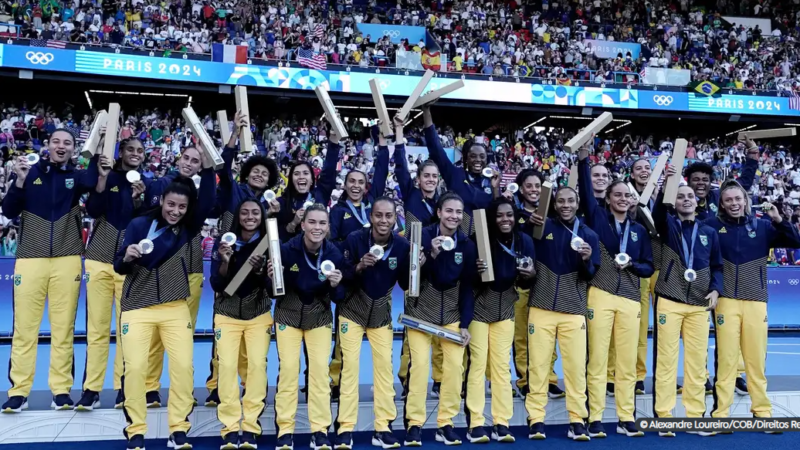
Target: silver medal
(576, 243)
(308, 204)
(512, 187)
(269, 196)
(487, 172)
(146, 246)
(524, 262)
(133, 176)
(690, 275)
(448, 243)
(377, 251)
(622, 259)
(327, 267)
(32, 158)
(228, 238)
(196, 180)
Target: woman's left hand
(257, 261)
(527, 273)
(335, 277)
(481, 265)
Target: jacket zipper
(736, 278)
(52, 210)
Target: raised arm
(436, 151)
(404, 180)
(327, 178)
(378, 186)
(87, 179)
(207, 197)
(588, 203)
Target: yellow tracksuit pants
(618, 316)
(521, 342)
(213, 378)
(103, 291)
(229, 334)
(318, 350)
(419, 345)
(543, 328)
(647, 291)
(741, 325)
(59, 281)
(673, 320)
(172, 322)
(489, 348)
(436, 361)
(156, 365)
(336, 357)
(350, 336)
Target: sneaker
(709, 387)
(62, 402)
(335, 394)
(435, 389)
(577, 432)
(640, 388)
(118, 403)
(178, 441)
(629, 429)
(447, 435)
(230, 441)
(610, 389)
(523, 391)
(213, 399)
(153, 399)
(477, 435)
(344, 441)
(703, 433)
(88, 402)
(596, 430)
(385, 440)
(679, 389)
(773, 432)
(501, 433)
(536, 431)
(319, 441)
(404, 394)
(285, 442)
(248, 441)
(136, 442)
(741, 386)
(553, 391)
(15, 404)
(413, 437)
(669, 434)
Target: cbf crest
(17, 280)
(590, 314)
(662, 319)
(634, 236)
(704, 240)
(218, 334)
(459, 257)
(344, 327)
(392, 263)
(720, 319)
(531, 328)
(125, 328)
(70, 183)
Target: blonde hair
(733, 184)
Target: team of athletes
(586, 284)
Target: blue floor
(783, 359)
(556, 439)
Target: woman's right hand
(225, 252)
(134, 251)
(270, 270)
(436, 246)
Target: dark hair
(384, 199)
(315, 207)
(65, 130)
(525, 174)
(179, 186)
(698, 167)
(492, 215)
(236, 228)
(122, 145)
(567, 188)
(611, 187)
(468, 146)
(427, 163)
(641, 159)
(258, 160)
(449, 195)
(356, 171)
(290, 189)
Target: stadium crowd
(25, 129)
(542, 39)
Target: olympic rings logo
(384, 84)
(794, 281)
(663, 100)
(39, 58)
(392, 33)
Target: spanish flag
(706, 88)
(432, 61)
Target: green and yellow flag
(706, 88)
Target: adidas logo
(294, 268)
(115, 189)
(722, 230)
(347, 216)
(522, 220)
(549, 237)
(38, 181)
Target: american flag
(794, 101)
(48, 43)
(84, 135)
(308, 58)
(319, 31)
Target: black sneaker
(596, 430)
(741, 386)
(248, 441)
(335, 391)
(213, 399)
(385, 440)
(153, 399)
(477, 435)
(435, 389)
(640, 388)
(88, 402)
(679, 389)
(15, 404)
(118, 403)
(285, 442)
(501, 433)
(628, 429)
(136, 442)
(178, 441)
(577, 432)
(447, 435)
(709, 387)
(610, 389)
(230, 441)
(413, 437)
(536, 431)
(319, 441)
(553, 391)
(62, 402)
(343, 441)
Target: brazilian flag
(706, 88)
